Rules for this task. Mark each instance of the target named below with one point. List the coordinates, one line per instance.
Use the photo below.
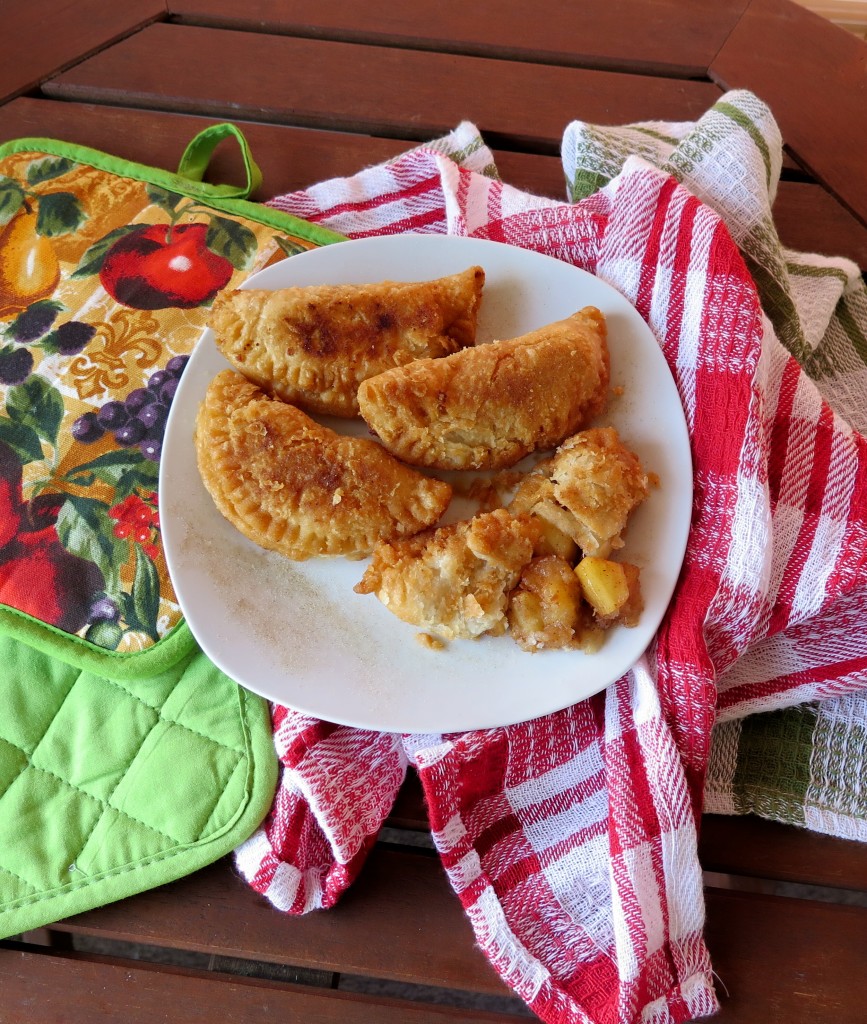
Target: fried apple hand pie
(489, 406)
(293, 486)
(313, 346)
(454, 581)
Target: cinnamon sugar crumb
(431, 642)
(653, 479)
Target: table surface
(322, 89)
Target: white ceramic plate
(296, 633)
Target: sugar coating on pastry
(454, 581)
(313, 346)
(489, 406)
(293, 486)
(587, 489)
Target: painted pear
(29, 269)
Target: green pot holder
(126, 758)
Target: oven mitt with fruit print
(107, 273)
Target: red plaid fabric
(571, 840)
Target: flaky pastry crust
(454, 581)
(314, 346)
(296, 487)
(588, 489)
(489, 406)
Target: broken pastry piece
(293, 486)
(489, 406)
(586, 490)
(454, 581)
(314, 346)
(546, 610)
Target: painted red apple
(37, 574)
(162, 266)
(39, 577)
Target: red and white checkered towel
(571, 840)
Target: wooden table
(321, 89)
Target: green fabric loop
(198, 155)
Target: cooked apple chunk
(545, 607)
(612, 589)
(546, 610)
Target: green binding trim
(168, 650)
(214, 195)
(75, 650)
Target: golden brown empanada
(454, 581)
(587, 489)
(296, 487)
(487, 407)
(313, 346)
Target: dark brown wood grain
(813, 75)
(785, 959)
(808, 218)
(399, 920)
(766, 849)
(75, 989)
(406, 94)
(666, 36)
(41, 37)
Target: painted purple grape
(138, 398)
(151, 449)
(175, 366)
(153, 415)
(157, 380)
(113, 415)
(87, 428)
(167, 391)
(130, 433)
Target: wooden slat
(666, 36)
(808, 218)
(73, 989)
(379, 90)
(41, 37)
(290, 158)
(813, 76)
(786, 959)
(779, 959)
(400, 920)
(766, 849)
